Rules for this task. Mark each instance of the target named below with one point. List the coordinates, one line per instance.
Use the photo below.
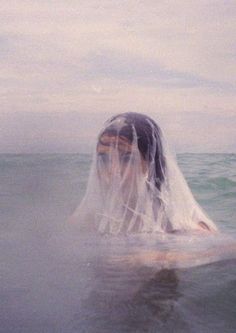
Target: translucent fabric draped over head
(135, 185)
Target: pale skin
(114, 149)
(169, 258)
(107, 149)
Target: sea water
(53, 279)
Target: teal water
(55, 280)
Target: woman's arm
(179, 258)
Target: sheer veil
(135, 184)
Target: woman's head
(127, 135)
(135, 184)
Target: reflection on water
(136, 297)
(125, 299)
(69, 283)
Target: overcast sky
(67, 65)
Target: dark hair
(148, 140)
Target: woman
(135, 185)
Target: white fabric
(122, 194)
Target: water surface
(54, 279)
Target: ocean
(54, 279)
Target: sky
(68, 65)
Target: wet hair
(149, 140)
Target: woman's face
(117, 157)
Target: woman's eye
(125, 158)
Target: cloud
(145, 72)
(156, 57)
